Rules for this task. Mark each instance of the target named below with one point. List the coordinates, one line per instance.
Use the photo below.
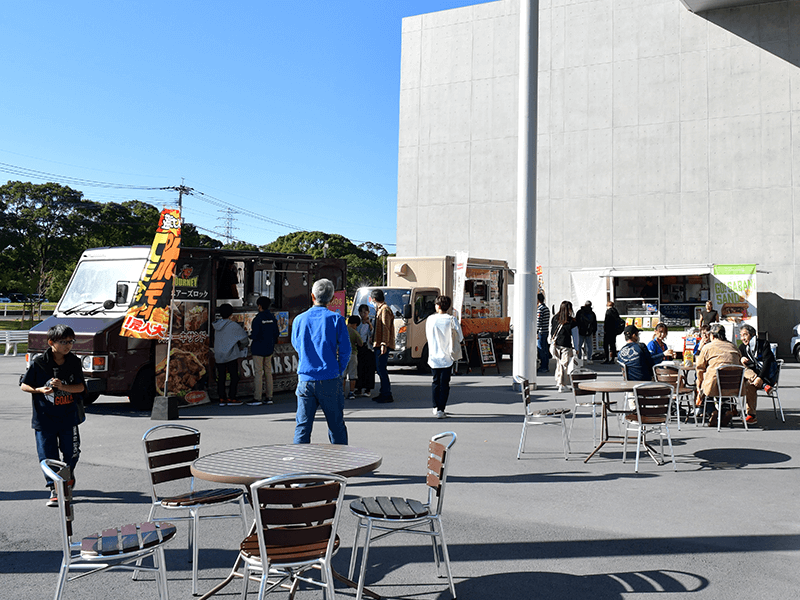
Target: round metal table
(605, 388)
(245, 466)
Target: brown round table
(245, 466)
(605, 388)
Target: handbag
(553, 340)
(455, 353)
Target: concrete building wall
(664, 137)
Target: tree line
(44, 228)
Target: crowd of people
(568, 338)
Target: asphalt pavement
(724, 525)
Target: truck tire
(89, 398)
(143, 391)
(797, 353)
(422, 365)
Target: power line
(43, 176)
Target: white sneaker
(440, 414)
(589, 362)
(254, 403)
(435, 411)
(560, 388)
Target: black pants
(609, 346)
(441, 387)
(366, 369)
(223, 369)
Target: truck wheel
(89, 398)
(143, 391)
(422, 365)
(797, 353)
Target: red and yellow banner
(148, 315)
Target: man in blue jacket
(264, 335)
(322, 343)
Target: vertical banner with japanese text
(460, 278)
(148, 315)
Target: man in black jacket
(760, 367)
(587, 327)
(611, 329)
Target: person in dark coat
(611, 329)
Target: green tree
(363, 264)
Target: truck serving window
(96, 281)
(424, 307)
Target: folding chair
(169, 451)
(295, 530)
(540, 417)
(584, 399)
(730, 383)
(680, 392)
(652, 402)
(772, 394)
(396, 515)
(112, 549)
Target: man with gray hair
(323, 346)
(760, 368)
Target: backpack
(620, 326)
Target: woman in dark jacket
(564, 332)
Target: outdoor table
(605, 388)
(244, 466)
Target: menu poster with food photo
(189, 355)
(283, 322)
(734, 293)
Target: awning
(658, 271)
(704, 5)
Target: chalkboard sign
(677, 315)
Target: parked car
(16, 297)
(4, 299)
(795, 343)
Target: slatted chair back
(436, 477)
(170, 450)
(579, 376)
(730, 379)
(667, 375)
(297, 516)
(526, 395)
(652, 402)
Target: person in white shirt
(444, 339)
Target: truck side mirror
(407, 311)
(122, 293)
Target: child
(366, 357)
(353, 321)
(264, 335)
(55, 379)
(230, 339)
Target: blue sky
(284, 108)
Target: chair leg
(436, 560)
(194, 533)
(150, 516)
(594, 425)
(330, 593)
(671, 450)
(625, 446)
(776, 399)
(243, 509)
(522, 437)
(63, 573)
(158, 557)
(364, 555)
(446, 556)
(565, 437)
(638, 447)
(245, 578)
(354, 553)
(572, 421)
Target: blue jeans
(327, 395)
(67, 440)
(381, 362)
(544, 352)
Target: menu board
(677, 315)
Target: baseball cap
(630, 330)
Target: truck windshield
(396, 298)
(95, 281)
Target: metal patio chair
(772, 394)
(681, 393)
(112, 549)
(401, 515)
(730, 386)
(295, 530)
(540, 417)
(169, 451)
(584, 399)
(652, 402)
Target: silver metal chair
(169, 451)
(584, 399)
(114, 548)
(297, 517)
(772, 394)
(540, 417)
(681, 393)
(401, 515)
(730, 383)
(652, 401)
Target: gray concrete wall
(665, 137)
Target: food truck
(477, 286)
(102, 288)
(673, 295)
